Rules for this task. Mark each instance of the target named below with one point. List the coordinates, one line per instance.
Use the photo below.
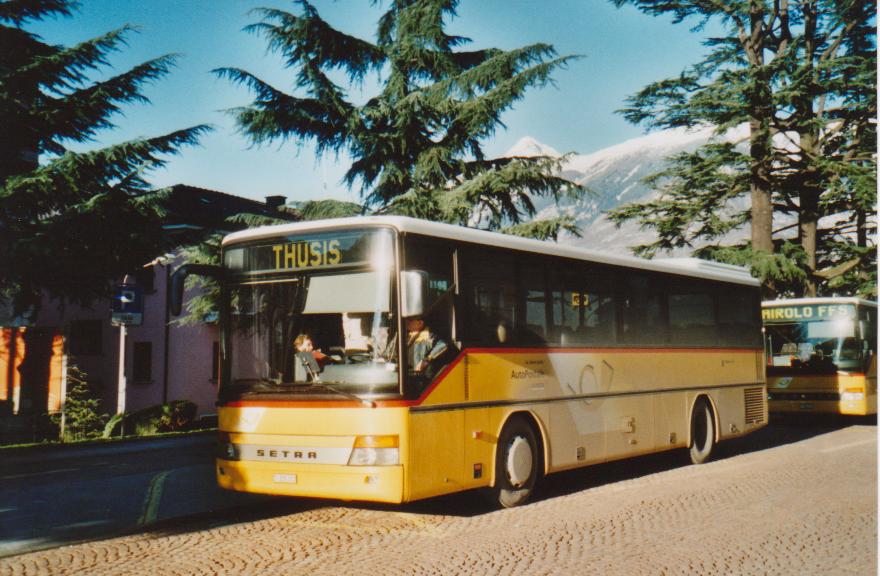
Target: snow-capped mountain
(528, 147)
(614, 176)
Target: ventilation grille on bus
(755, 405)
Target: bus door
(868, 335)
(629, 416)
(437, 430)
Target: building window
(85, 338)
(142, 362)
(145, 279)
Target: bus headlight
(226, 450)
(853, 395)
(375, 451)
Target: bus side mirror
(178, 280)
(414, 285)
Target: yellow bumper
(371, 483)
(849, 408)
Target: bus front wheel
(516, 463)
(702, 432)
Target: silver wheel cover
(519, 461)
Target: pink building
(163, 359)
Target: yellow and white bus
(821, 355)
(555, 357)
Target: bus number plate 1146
(285, 478)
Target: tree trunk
(760, 148)
(811, 186)
(808, 216)
(762, 208)
(861, 228)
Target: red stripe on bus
(439, 378)
(312, 404)
(608, 350)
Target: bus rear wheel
(516, 463)
(702, 432)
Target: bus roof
(818, 300)
(681, 266)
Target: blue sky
(623, 50)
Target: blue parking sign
(127, 308)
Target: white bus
(821, 355)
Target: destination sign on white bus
(808, 312)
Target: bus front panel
(350, 453)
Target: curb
(60, 451)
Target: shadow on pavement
(779, 432)
(265, 507)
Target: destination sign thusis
(302, 254)
(808, 312)
(315, 254)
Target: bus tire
(516, 463)
(702, 431)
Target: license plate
(285, 478)
(807, 406)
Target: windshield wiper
(264, 385)
(258, 383)
(364, 401)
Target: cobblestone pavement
(809, 507)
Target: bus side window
(434, 258)
(737, 325)
(533, 299)
(582, 305)
(644, 310)
(692, 318)
(489, 292)
(566, 305)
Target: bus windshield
(817, 346)
(326, 329)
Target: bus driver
(423, 346)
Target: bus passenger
(423, 346)
(312, 361)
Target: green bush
(83, 418)
(172, 417)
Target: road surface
(55, 496)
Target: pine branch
(65, 68)
(478, 117)
(322, 209)
(75, 177)
(79, 115)
(548, 229)
(310, 40)
(17, 12)
(275, 115)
